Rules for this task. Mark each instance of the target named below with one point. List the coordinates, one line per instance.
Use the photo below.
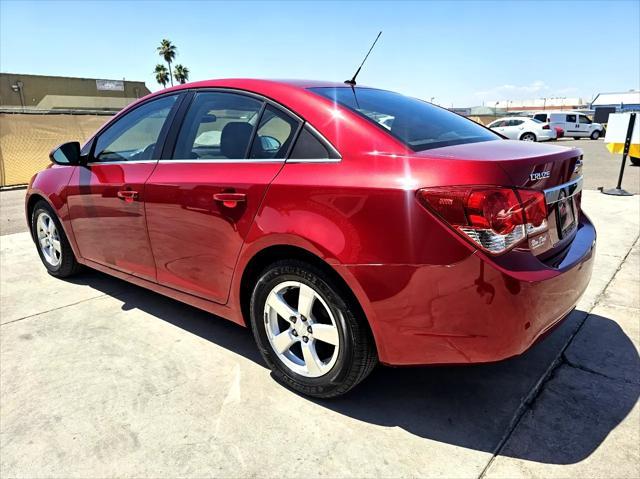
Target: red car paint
(428, 295)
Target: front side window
(516, 122)
(133, 137)
(217, 126)
(584, 120)
(497, 124)
(274, 136)
(571, 118)
(416, 123)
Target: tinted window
(274, 134)
(571, 118)
(217, 126)
(308, 147)
(540, 117)
(496, 124)
(584, 119)
(516, 122)
(416, 123)
(133, 137)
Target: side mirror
(66, 154)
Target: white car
(523, 128)
(575, 125)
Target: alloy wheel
(49, 239)
(301, 329)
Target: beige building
(49, 93)
(38, 113)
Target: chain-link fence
(27, 139)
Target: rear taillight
(493, 218)
(546, 127)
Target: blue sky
(461, 53)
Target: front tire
(595, 135)
(307, 330)
(52, 243)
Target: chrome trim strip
(187, 161)
(552, 195)
(95, 163)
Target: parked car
(574, 124)
(523, 128)
(340, 241)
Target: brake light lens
(546, 127)
(493, 218)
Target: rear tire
(595, 135)
(292, 347)
(528, 137)
(51, 242)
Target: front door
(202, 197)
(106, 196)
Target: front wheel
(595, 135)
(528, 137)
(307, 330)
(52, 243)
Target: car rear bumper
(474, 310)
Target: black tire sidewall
(293, 271)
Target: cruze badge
(540, 175)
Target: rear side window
(515, 122)
(309, 147)
(274, 136)
(540, 117)
(571, 118)
(418, 124)
(217, 126)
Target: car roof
(257, 85)
(513, 118)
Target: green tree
(162, 75)
(167, 50)
(181, 74)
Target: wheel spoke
(305, 300)
(277, 302)
(51, 227)
(43, 241)
(56, 245)
(311, 359)
(283, 341)
(326, 333)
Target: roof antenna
(353, 80)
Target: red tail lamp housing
(494, 218)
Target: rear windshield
(418, 124)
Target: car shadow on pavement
(468, 406)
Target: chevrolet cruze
(344, 225)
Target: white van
(574, 124)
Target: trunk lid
(553, 169)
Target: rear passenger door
(203, 194)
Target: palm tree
(162, 74)
(167, 50)
(181, 73)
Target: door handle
(230, 200)
(128, 195)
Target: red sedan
(345, 225)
